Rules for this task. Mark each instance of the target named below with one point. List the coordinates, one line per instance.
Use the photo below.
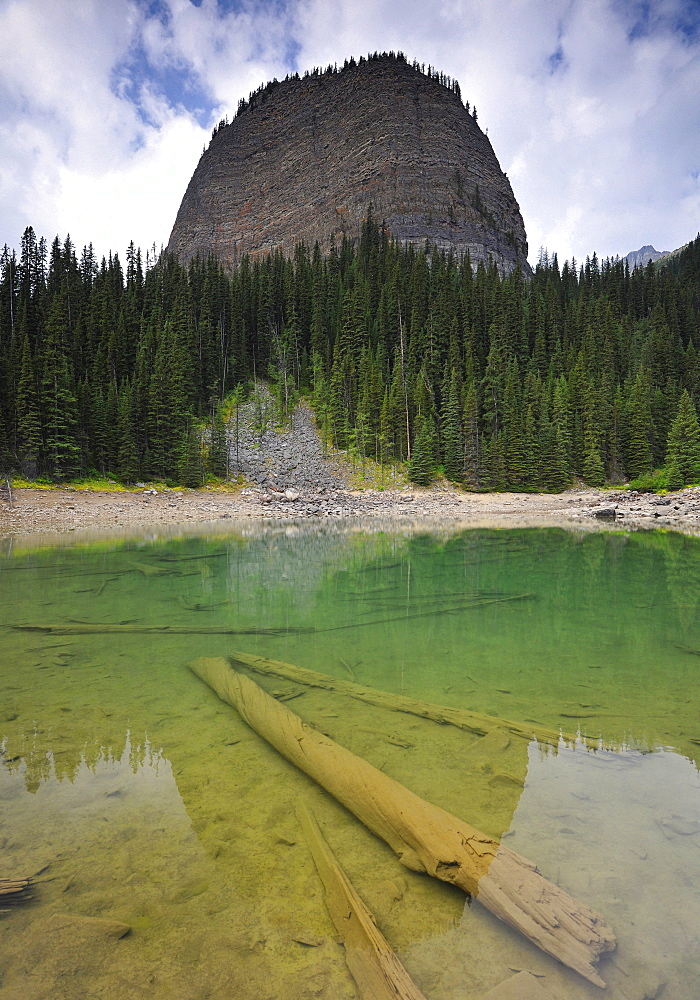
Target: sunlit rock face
(307, 158)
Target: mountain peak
(641, 257)
(307, 158)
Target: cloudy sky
(592, 106)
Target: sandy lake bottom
(144, 800)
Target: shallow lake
(140, 797)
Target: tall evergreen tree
(28, 415)
(421, 468)
(532, 452)
(472, 462)
(218, 460)
(58, 393)
(190, 467)
(127, 457)
(639, 426)
(683, 452)
(452, 437)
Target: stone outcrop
(307, 157)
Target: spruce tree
(472, 467)
(561, 418)
(99, 443)
(495, 470)
(561, 470)
(111, 427)
(190, 468)
(593, 469)
(398, 414)
(58, 395)
(532, 453)
(338, 408)
(513, 428)
(452, 437)
(554, 468)
(683, 449)
(127, 457)
(639, 427)
(421, 467)
(615, 463)
(217, 459)
(28, 420)
(6, 462)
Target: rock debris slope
(306, 158)
(292, 458)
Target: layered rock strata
(307, 158)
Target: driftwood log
(14, 890)
(425, 837)
(471, 722)
(374, 966)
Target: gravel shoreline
(35, 511)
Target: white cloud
(59, 115)
(105, 108)
(134, 201)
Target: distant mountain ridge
(641, 257)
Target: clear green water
(152, 803)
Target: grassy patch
(368, 474)
(19, 483)
(109, 484)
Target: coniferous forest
(128, 369)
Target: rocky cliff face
(308, 157)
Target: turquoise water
(144, 799)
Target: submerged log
(87, 628)
(425, 837)
(452, 609)
(374, 966)
(471, 722)
(687, 649)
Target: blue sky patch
(647, 17)
(178, 84)
(556, 60)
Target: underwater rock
(86, 927)
(308, 940)
(503, 778)
(522, 986)
(678, 825)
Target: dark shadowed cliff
(306, 158)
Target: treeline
(258, 97)
(500, 382)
